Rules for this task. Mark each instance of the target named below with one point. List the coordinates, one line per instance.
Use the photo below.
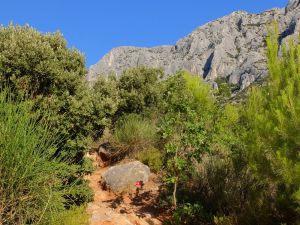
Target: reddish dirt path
(127, 209)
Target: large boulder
(122, 178)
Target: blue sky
(96, 26)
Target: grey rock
(292, 4)
(231, 47)
(122, 178)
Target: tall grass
(29, 187)
(73, 216)
(133, 133)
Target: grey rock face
(231, 47)
(292, 4)
(122, 178)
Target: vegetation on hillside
(36, 176)
(222, 163)
(32, 190)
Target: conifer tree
(273, 115)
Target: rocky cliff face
(232, 47)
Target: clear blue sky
(96, 26)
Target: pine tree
(273, 115)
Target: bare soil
(108, 208)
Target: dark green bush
(42, 67)
(151, 157)
(224, 90)
(106, 102)
(138, 89)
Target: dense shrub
(224, 90)
(106, 102)
(272, 117)
(186, 118)
(133, 133)
(138, 89)
(42, 67)
(73, 216)
(151, 157)
(244, 168)
(30, 188)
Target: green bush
(224, 90)
(133, 133)
(138, 89)
(41, 66)
(186, 214)
(73, 216)
(239, 163)
(106, 102)
(30, 188)
(151, 157)
(272, 115)
(87, 166)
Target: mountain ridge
(231, 47)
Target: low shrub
(151, 157)
(73, 216)
(133, 133)
(87, 166)
(185, 214)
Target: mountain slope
(232, 47)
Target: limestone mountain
(232, 47)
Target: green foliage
(73, 216)
(30, 188)
(133, 133)
(42, 67)
(200, 91)
(224, 220)
(240, 163)
(224, 90)
(34, 184)
(272, 115)
(185, 214)
(87, 166)
(151, 157)
(38, 63)
(138, 89)
(106, 102)
(186, 117)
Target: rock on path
(110, 209)
(122, 178)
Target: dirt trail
(127, 209)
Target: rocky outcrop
(122, 178)
(232, 47)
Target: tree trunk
(174, 194)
